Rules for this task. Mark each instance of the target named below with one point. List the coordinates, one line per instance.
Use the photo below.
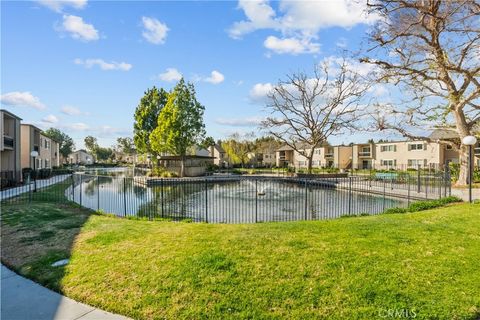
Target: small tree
(305, 111)
(180, 123)
(238, 148)
(429, 50)
(66, 144)
(146, 117)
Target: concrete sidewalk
(23, 299)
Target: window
(417, 162)
(316, 163)
(388, 163)
(317, 151)
(415, 146)
(302, 163)
(388, 148)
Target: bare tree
(429, 49)
(305, 111)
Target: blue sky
(83, 66)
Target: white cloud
(72, 111)
(79, 126)
(240, 122)
(260, 16)
(78, 29)
(50, 119)
(291, 45)
(298, 21)
(260, 91)
(58, 5)
(215, 77)
(171, 74)
(155, 31)
(88, 63)
(25, 99)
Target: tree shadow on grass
(38, 229)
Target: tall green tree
(66, 142)
(103, 154)
(239, 148)
(91, 143)
(126, 145)
(207, 142)
(146, 117)
(180, 123)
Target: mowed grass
(425, 263)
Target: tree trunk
(462, 130)
(309, 162)
(182, 167)
(464, 166)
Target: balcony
(364, 154)
(8, 142)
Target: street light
(470, 141)
(34, 155)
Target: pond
(224, 200)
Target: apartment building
(323, 157)
(220, 156)
(10, 162)
(413, 154)
(34, 140)
(80, 157)
(363, 155)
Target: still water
(234, 200)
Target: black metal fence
(234, 199)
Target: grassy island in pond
(425, 262)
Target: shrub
(45, 173)
(161, 172)
(430, 204)
(395, 210)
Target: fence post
(306, 203)
(426, 187)
(124, 196)
(256, 200)
(408, 194)
(29, 189)
(98, 193)
(73, 187)
(161, 197)
(446, 179)
(206, 200)
(418, 179)
(349, 195)
(384, 194)
(81, 181)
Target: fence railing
(233, 199)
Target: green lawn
(425, 263)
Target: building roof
(186, 157)
(31, 125)
(10, 114)
(219, 148)
(444, 134)
(81, 150)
